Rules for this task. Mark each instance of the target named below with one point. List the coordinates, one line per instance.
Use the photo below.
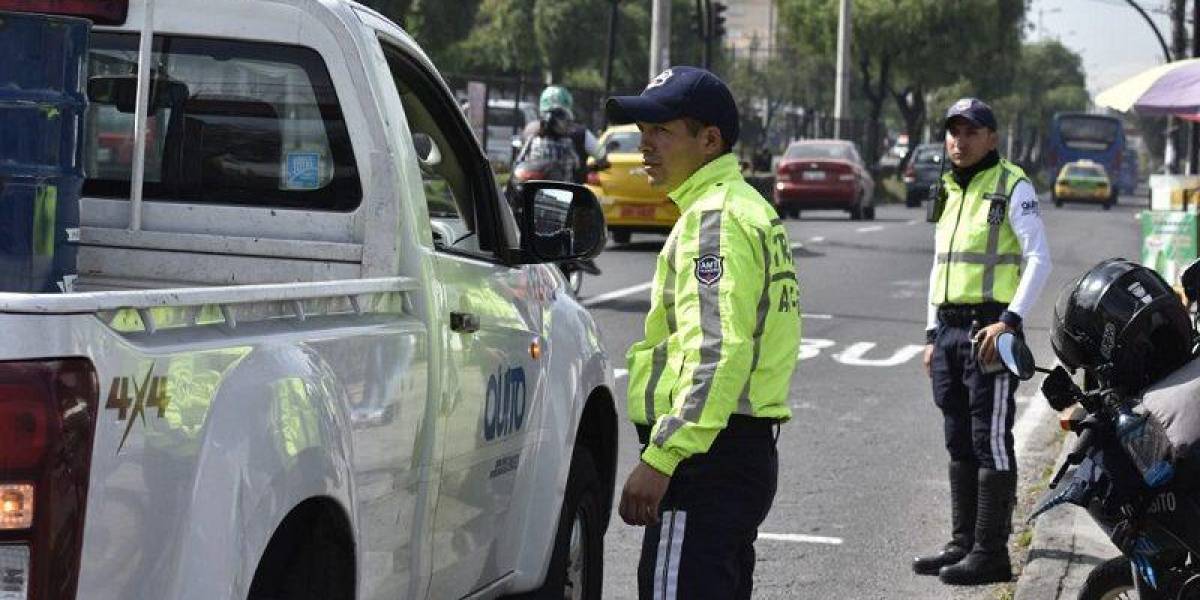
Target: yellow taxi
(619, 181)
(1083, 180)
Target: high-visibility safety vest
(723, 331)
(978, 255)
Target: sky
(1113, 39)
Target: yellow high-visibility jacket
(723, 331)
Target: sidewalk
(1066, 546)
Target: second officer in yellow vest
(709, 384)
(990, 265)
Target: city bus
(1073, 136)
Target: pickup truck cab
(307, 350)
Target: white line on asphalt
(816, 316)
(869, 229)
(817, 239)
(619, 373)
(797, 537)
(913, 222)
(797, 245)
(621, 293)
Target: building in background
(747, 21)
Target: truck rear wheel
(620, 236)
(308, 558)
(577, 564)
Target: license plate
(637, 212)
(812, 175)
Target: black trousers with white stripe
(977, 408)
(703, 546)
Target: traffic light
(718, 19)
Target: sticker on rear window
(303, 171)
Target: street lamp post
(612, 45)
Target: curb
(1067, 544)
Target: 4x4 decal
(151, 392)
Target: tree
(899, 53)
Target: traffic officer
(708, 386)
(990, 265)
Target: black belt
(737, 426)
(963, 315)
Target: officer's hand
(928, 360)
(986, 340)
(643, 492)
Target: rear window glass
(623, 142)
(246, 124)
(1084, 171)
(839, 151)
(506, 117)
(927, 154)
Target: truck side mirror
(560, 221)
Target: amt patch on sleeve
(709, 268)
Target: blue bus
(1073, 136)
(1130, 172)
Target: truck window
(459, 189)
(259, 125)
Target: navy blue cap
(676, 93)
(974, 110)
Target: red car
(824, 174)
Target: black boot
(964, 485)
(988, 560)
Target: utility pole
(612, 45)
(842, 92)
(660, 37)
(1194, 146)
(1178, 50)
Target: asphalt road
(862, 465)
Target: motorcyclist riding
(556, 148)
(556, 136)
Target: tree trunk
(876, 95)
(914, 120)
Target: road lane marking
(817, 239)
(619, 373)
(816, 316)
(869, 229)
(621, 293)
(854, 355)
(913, 222)
(798, 537)
(797, 245)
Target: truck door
(492, 325)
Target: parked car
(922, 172)
(619, 181)
(1084, 180)
(505, 121)
(824, 174)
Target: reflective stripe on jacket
(978, 255)
(723, 330)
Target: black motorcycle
(1118, 472)
(525, 170)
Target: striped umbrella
(1170, 89)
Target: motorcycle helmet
(1122, 322)
(556, 97)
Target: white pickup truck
(308, 351)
